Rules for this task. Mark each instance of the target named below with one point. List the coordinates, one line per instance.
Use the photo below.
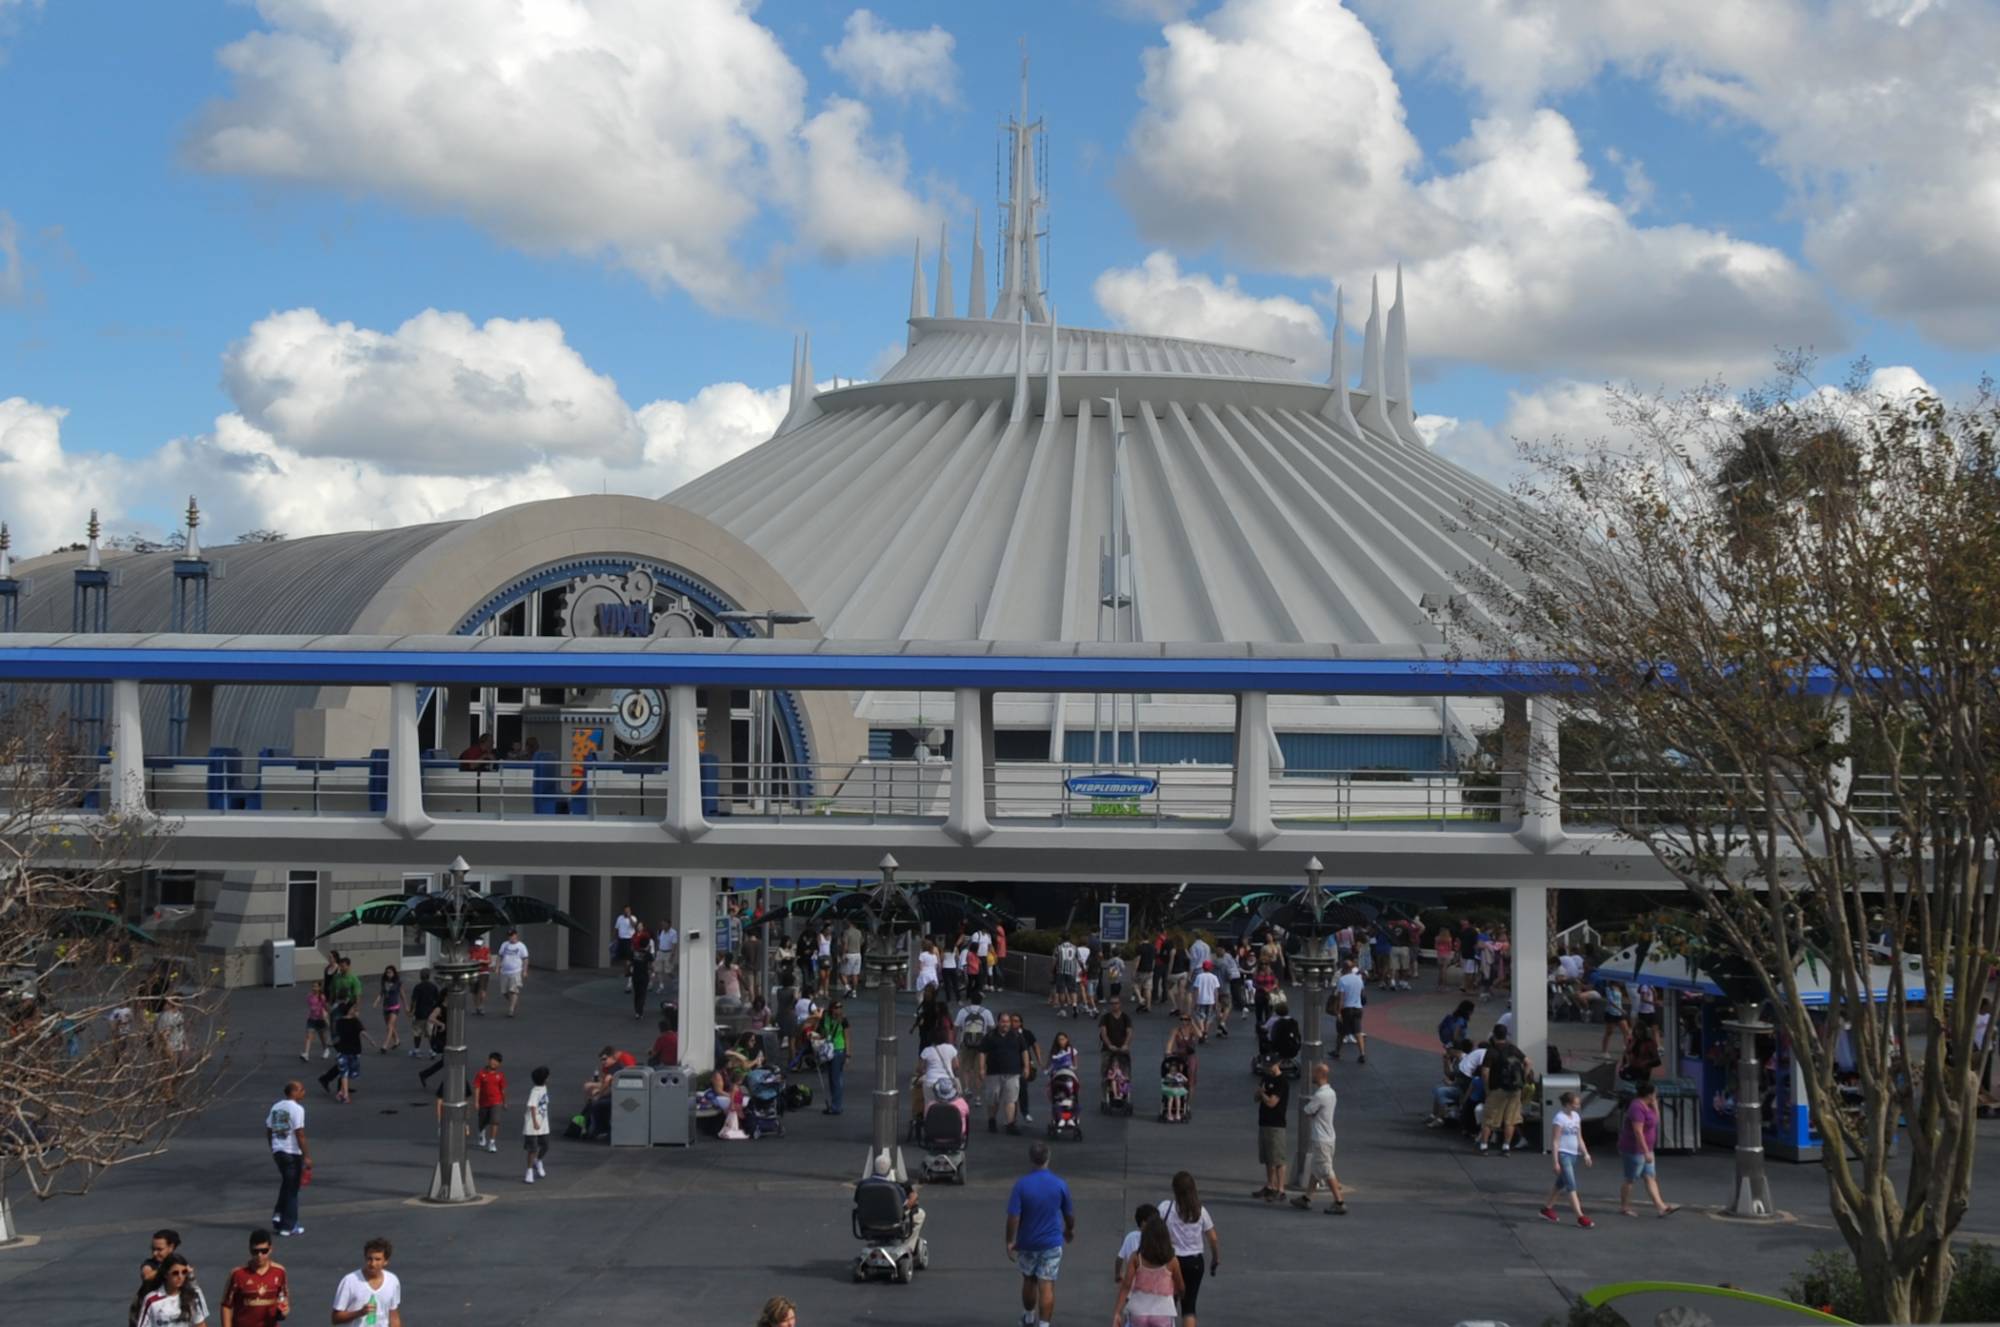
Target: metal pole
(1312, 971)
(1752, 1199)
(452, 1181)
(887, 967)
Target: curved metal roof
(309, 586)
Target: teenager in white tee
(371, 1296)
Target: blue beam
(775, 665)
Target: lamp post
(452, 1182)
(1314, 967)
(887, 963)
(1752, 1200)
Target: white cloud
(1157, 297)
(654, 135)
(1274, 131)
(341, 428)
(850, 195)
(895, 62)
(1884, 118)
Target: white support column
(406, 813)
(694, 902)
(1528, 933)
(1541, 811)
(127, 794)
(971, 726)
(1250, 822)
(684, 819)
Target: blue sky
(1635, 201)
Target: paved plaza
(1436, 1233)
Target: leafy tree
(1787, 607)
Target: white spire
(6, 553)
(802, 408)
(191, 549)
(1052, 403)
(91, 556)
(1397, 355)
(917, 300)
(1020, 270)
(1374, 411)
(945, 307)
(975, 302)
(1338, 410)
(1020, 410)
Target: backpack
(973, 1035)
(1509, 1074)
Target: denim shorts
(1638, 1168)
(1566, 1172)
(1040, 1264)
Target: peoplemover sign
(1110, 787)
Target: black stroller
(1117, 1084)
(1282, 1044)
(1176, 1090)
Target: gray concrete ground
(1436, 1233)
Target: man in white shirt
(285, 1130)
(1086, 987)
(665, 972)
(1348, 990)
(1199, 953)
(975, 1023)
(1206, 985)
(626, 926)
(1319, 1143)
(513, 956)
(372, 1296)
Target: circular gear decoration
(637, 715)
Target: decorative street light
(891, 915)
(1315, 967)
(453, 917)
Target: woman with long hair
(390, 1002)
(778, 1312)
(1152, 1281)
(1189, 1227)
(179, 1301)
(1062, 1053)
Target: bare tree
(109, 1037)
(1786, 611)
(261, 536)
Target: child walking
(316, 1023)
(1569, 1146)
(535, 1124)
(490, 1086)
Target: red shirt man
(257, 1294)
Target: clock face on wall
(637, 715)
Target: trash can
(283, 955)
(673, 1126)
(631, 1120)
(1680, 1115)
(1553, 1087)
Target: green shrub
(1042, 942)
(1832, 1283)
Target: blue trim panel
(784, 668)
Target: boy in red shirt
(489, 1086)
(257, 1295)
(481, 953)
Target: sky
(339, 264)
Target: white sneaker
(539, 1168)
(529, 1178)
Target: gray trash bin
(281, 956)
(673, 1125)
(631, 1120)
(1680, 1115)
(1553, 1087)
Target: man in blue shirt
(1040, 1220)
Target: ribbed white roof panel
(963, 347)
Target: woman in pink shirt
(1636, 1140)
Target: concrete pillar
(127, 793)
(986, 748)
(1513, 759)
(719, 729)
(1250, 822)
(967, 819)
(684, 819)
(1541, 809)
(406, 774)
(694, 897)
(1528, 934)
(590, 904)
(198, 734)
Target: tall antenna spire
(91, 557)
(917, 300)
(945, 306)
(1374, 377)
(802, 408)
(1020, 408)
(1397, 356)
(975, 303)
(1020, 280)
(1052, 401)
(191, 549)
(6, 554)
(1338, 410)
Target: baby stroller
(763, 1116)
(1174, 1093)
(1117, 1085)
(1282, 1044)
(944, 1137)
(892, 1230)
(1064, 1092)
